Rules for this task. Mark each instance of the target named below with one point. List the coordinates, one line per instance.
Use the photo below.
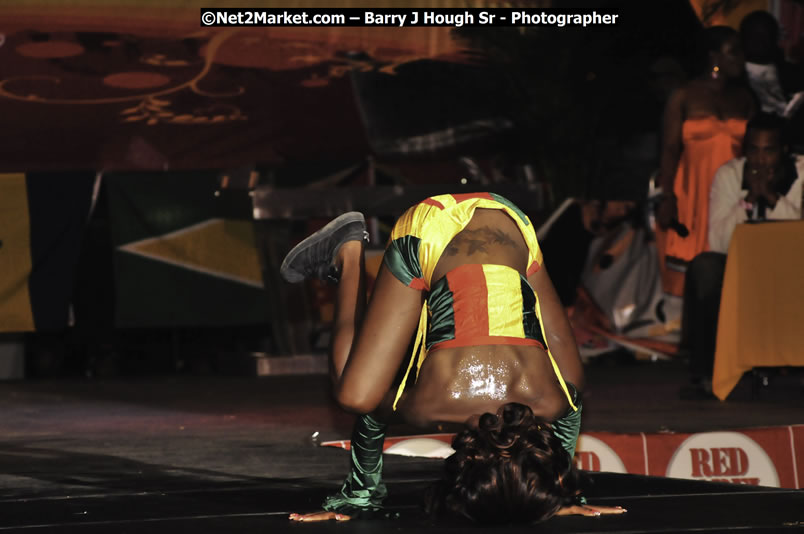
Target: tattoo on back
(477, 240)
(452, 249)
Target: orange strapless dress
(709, 142)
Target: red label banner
(772, 457)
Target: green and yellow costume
(474, 304)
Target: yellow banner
(15, 255)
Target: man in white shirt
(766, 184)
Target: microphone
(679, 228)
(761, 209)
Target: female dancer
(464, 273)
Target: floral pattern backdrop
(123, 85)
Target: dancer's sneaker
(315, 256)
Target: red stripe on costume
(469, 341)
(418, 283)
(534, 267)
(471, 301)
(433, 202)
(460, 197)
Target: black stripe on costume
(402, 259)
(513, 207)
(530, 321)
(441, 303)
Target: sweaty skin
(474, 380)
(461, 382)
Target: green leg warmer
(568, 427)
(363, 490)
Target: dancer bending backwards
(493, 349)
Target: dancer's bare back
(455, 384)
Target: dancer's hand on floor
(319, 516)
(591, 511)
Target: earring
(715, 72)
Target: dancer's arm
(591, 510)
(363, 381)
(576, 509)
(380, 345)
(319, 516)
(557, 328)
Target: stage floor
(230, 454)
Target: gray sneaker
(314, 256)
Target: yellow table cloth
(761, 321)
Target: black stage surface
(228, 454)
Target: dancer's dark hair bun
(510, 469)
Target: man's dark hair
(768, 122)
(760, 35)
(759, 19)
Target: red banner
(772, 457)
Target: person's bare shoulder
(696, 87)
(677, 102)
(681, 92)
(698, 94)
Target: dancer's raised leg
(350, 304)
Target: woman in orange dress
(704, 124)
